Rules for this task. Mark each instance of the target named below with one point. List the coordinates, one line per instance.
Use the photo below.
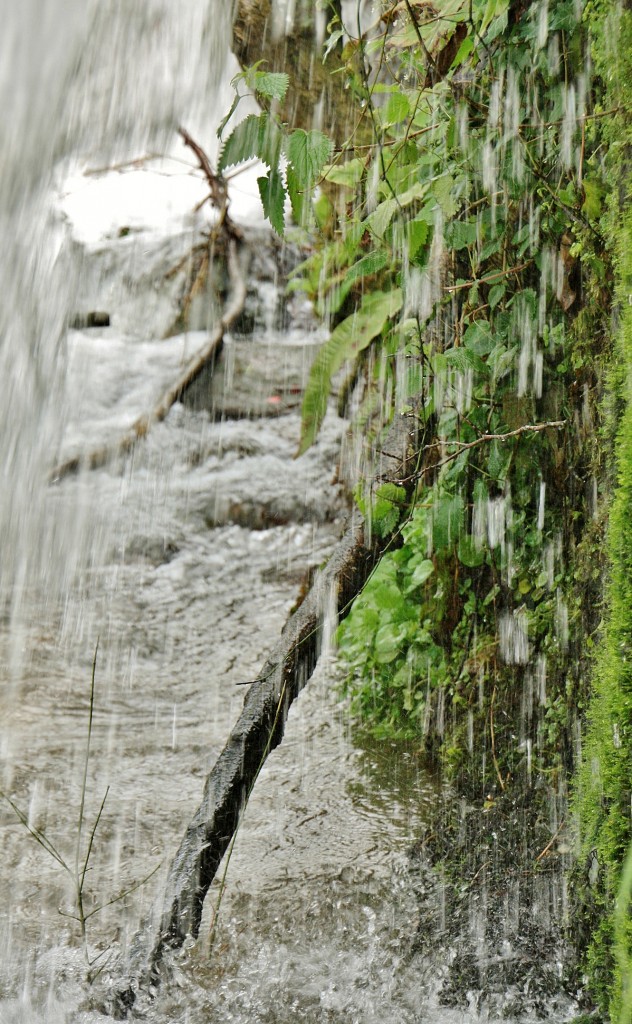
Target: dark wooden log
(261, 724)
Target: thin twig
(93, 832)
(125, 892)
(548, 846)
(489, 277)
(84, 781)
(493, 740)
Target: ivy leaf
(348, 339)
(308, 152)
(369, 264)
(272, 192)
(255, 136)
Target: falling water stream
(181, 562)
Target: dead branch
(218, 189)
(461, 446)
(207, 355)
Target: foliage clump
(465, 264)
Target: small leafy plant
(294, 158)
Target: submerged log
(261, 725)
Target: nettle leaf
(496, 294)
(397, 109)
(417, 231)
(447, 521)
(464, 359)
(272, 192)
(308, 152)
(459, 235)
(348, 175)
(299, 199)
(348, 339)
(255, 136)
(443, 191)
(271, 84)
(379, 220)
(369, 264)
(386, 509)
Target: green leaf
(495, 294)
(272, 192)
(463, 359)
(299, 199)
(469, 553)
(498, 461)
(379, 220)
(225, 120)
(422, 572)
(397, 109)
(256, 136)
(447, 521)
(348, 339)
(417, 231)
(271, 84)
(348, 175)
(478, 338)
(459, 235)
(443, 191)
(389, 642)
(387, 508)
(369, 264)
(591, 207)
(308, 152)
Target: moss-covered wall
(604, 782)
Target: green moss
(604, 784)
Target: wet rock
(157, 550)
(96, 318)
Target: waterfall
(81, 82)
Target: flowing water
(180, 562)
